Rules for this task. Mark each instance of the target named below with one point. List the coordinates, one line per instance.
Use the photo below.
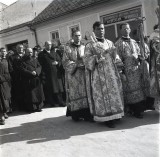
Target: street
(51, 134)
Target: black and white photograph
(79, 78)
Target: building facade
(61, 18)
(111, 13)
(15, 22)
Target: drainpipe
(35, 33)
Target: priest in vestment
(155, 68)
(136, 83)
(104, 87)
(75, 84)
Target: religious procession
(79, 78)
(98, 80)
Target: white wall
(16, 36)
(149, 7)
(85, 18)
(21, 11)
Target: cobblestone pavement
(51, 134)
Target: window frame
(72, 26)
(54, 31)
(115, 24)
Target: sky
(8, 2)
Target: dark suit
(14, 62)
(33, 91)
(51, 77)
(4, 87)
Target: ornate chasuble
(75, 77)
(128, 51)
(103, 82)
(155, 65)
(155, 68)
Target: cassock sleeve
(69, 65)
(90, 59)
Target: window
(113, 21)
(73, 29)
(54, 35)
(110, 32)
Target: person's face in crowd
(20, 49)
(29, 52)
(146, 40)
(10, 52)
(61, 48)
(125, 31)
(3, 53)
(54, 44)
(48, 45)
(99, 31)
(35, 53)
(38, 50)
(77, 37)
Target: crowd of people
(100, 81)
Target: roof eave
(68, 12)
(16, 27)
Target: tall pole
(158, 14)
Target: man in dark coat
(4, 87)
(14, 62)
(60, 50)
(58, 54)
(33, 91)
(52, 82)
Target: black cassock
(33, 90)
(17, 98)
(4, 86)
(53, 83)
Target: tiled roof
(60, 7)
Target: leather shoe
(110, 124)
(138, 115)
(2, 121)
(5, 115)
(38, 110)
